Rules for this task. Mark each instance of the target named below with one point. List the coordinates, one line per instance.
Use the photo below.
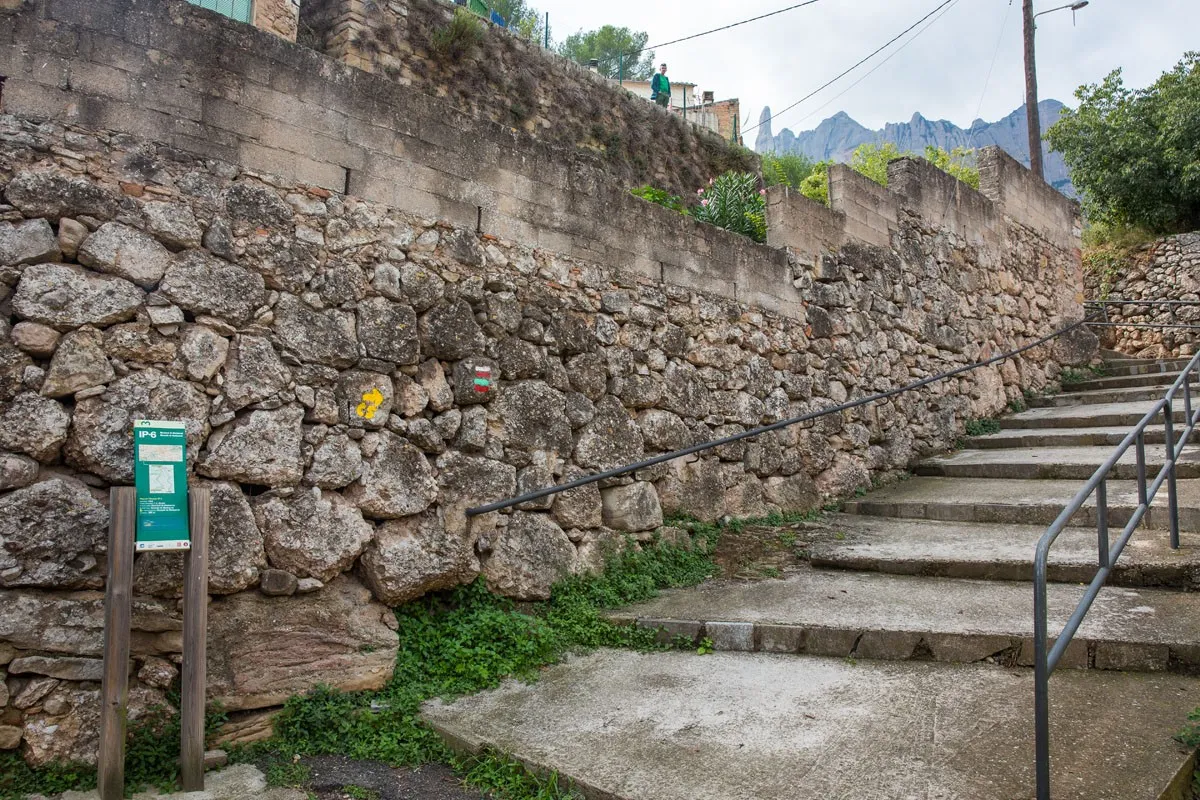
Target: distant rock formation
(836, 138)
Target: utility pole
(1031, 93)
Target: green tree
(789, 169)
(872, 160)
(609, 44)
(1135, 154)
(524, 20)
(959, 162)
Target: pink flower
(763, 192)
(704, 202)
(710, 181)
(700, 191)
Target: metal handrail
(696, 448)
(1046, 659)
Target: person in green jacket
(660, 88)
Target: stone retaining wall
(1166, 270)
(163, 254)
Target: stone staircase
(895, 663)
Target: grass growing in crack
(469, 640)
(982, 427)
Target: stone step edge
(1127, 572)
(1044, 513)
(1007, 650)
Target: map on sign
(160, 479)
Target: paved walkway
(895, 664)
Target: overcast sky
(941, 73)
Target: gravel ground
(331, 774)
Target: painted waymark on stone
(371, 401)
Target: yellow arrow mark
(371, 401)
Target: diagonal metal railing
(500, 505)
(1047, 658)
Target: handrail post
(1041, 682)
(1102, 521)
(1172, 499)
(1143, 498)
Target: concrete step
(901, 617)
(1101, 415)
(1061, 437)
(1030, 502)
(1144, 379)
(1142, 366)
(1069, 463)
(993, 551)
(622, 725)
(1099, 396)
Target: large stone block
(204, 284)
(530, 556)
(632, 508)
(101, 440)
(53, 194)
(312, 534)
(52, 534)
(261, 448)
(65, 296)
(126, 252)
(396, 481)
(416, 555)
(262, 650)
(533, 416)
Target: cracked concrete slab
(677, 726)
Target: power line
(714, 30)
(875, 68)
(826, 85)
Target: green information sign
(160, 477)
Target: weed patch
(982, 427)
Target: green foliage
(982, 427)
(468, 640)
(609, 44)
(661, 197)
(1190, 735)
(290, 772)
(456, 39)
(1135, 154)
(959, 163)
(816, 185)
(1070, 375)
(151, 758)
(790, 169)
(523, 20)
(733, 201)
(507, 778)
(1018, 405)
(360, 792)
(871, 160)
(705, 648)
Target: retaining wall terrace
(310, 265)
(1166, 270)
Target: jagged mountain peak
(836, 137)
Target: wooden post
(118, 612)
(1032, 114)
(195, 633)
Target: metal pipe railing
(1046, 659)
(696, 448)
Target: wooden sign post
(195, 639)
(118, 604)
(118, 610)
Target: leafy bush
(661, 197)
(734, 202)
(457, 39)
(790, 169)
(1134, 154)
(816, 185)
(958, 163)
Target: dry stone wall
(1168, 270)
(322, 347)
